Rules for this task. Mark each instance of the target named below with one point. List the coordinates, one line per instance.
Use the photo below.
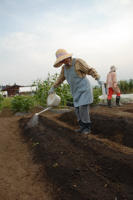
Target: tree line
(125, 86)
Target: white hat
(61, 54)
(113, 68)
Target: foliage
(35, 144)
(7, 102)
(96, 94)
(42, 90)
(126, 86)
(130, 85)
(44, 86)
(1, 101)
(22, 103)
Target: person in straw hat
(112, 87)
(74, 70)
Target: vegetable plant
(44, 86)
(22, 103)
(1, 102)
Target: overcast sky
(97, 31)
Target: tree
(131, 85)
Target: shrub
(7, 102)
(22, 103)
(44, 86)
(96, 94)
(1, 101)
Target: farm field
(52, 162)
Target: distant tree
(121, 86)
(131, 85)
(126, 86)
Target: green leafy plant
(96, 94)
(7, 102)
(22, 103)
(55, 165)
(1, 102)
(126, 86)
(44, 86)
(35, 144)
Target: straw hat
(113, 68)
(61, 54)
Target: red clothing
(112, 86)
(112, 82)
(110, 93)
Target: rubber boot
(117, 100)
(81, 127)
(109, 103)
(87, 129)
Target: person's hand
(100, 82)
(51, 90)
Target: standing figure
(112, 87)
(74, 70)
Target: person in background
(112, 87)
(74, 70)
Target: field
(52, 162)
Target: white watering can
(52, 100)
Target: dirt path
(19, 177)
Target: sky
(31, 31)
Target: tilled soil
(76, 167)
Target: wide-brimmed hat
(113, 68)
(61, 54)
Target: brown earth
(52, 162)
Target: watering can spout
(52, 100)
(43, 111)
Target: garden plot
(95, 167)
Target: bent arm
(82, 68)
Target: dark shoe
(86, 131)
(109, 103)
(81, 127)
(117, 100)
(79, 130)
